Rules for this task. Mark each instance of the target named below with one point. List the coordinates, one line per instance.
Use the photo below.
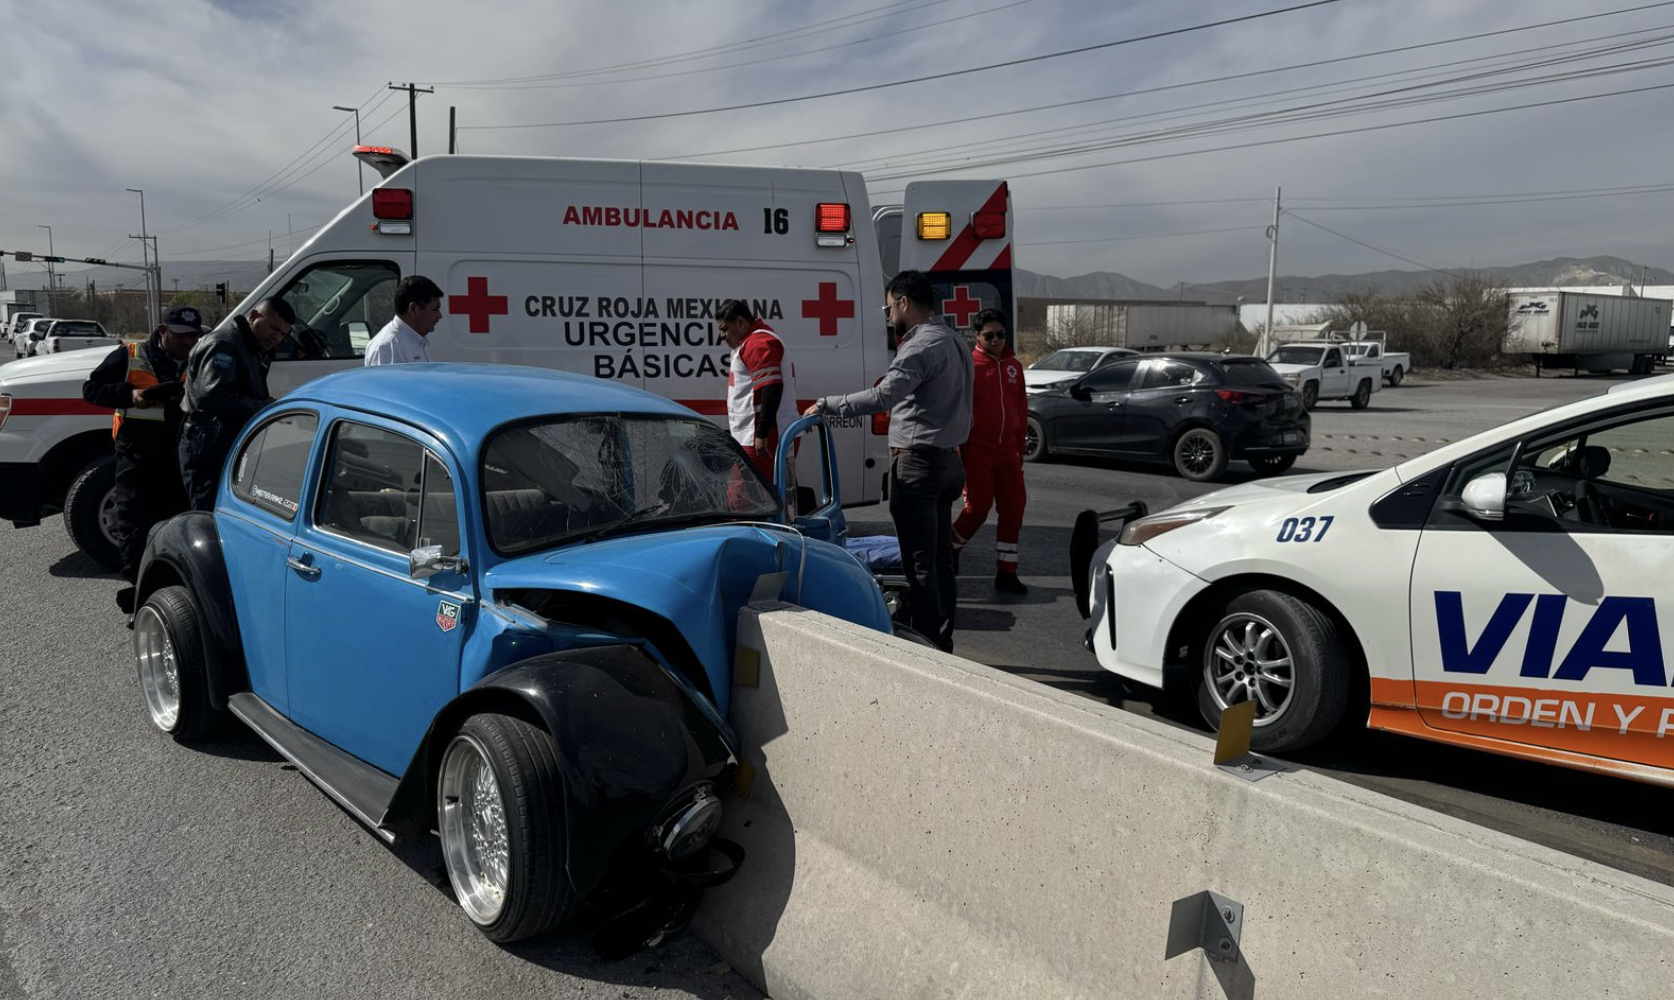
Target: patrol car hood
(54, 366)
(1285, 487)
(699, 578)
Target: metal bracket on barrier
(1232, 745)
(1206, 920)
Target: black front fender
(186, 550)
(629, 740)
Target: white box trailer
(1587, 331)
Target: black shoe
(125, 600)
(1009, 583)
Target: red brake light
(831, 217)
(988, 225)
(386, 150)
(1240, 396)
(5, 408)
(392, 203)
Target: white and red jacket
(759, 362)
(999, 403)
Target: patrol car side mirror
(426, 562)
(1484, 497)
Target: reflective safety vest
(141, 376)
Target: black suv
(1195, 411)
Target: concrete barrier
(923, 826)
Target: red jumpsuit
(994, 455)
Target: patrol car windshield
(1296, 354)
(579, 478)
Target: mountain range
(1106, 285)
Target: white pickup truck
(63, 335)
(1395, 363)
(1327, 371)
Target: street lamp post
(52, 278)
(153, 269)
(360, 167)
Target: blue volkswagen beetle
(499, 603)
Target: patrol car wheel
(1034, 441)
(1199, 455)
(168, 648)
(1286, 656)
(90, 512)
(1396, 376)
(497, 810)
(1362, 397)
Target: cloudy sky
(1154, 157)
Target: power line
(1297, 138)
(1312, 64)
(1143, 236)
(923, 79)
(754, 63)
(818, 27)
(1363, 243)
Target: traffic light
(94, 260)
(221, 291)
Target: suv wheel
(1272, 465)
(90, 512)
(1199, 455)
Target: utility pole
(52, 280)
(412, 108)
(1265, 343)
(153, 267)
(453, 131)
(360, 167)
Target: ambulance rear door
(715, 232)
(539, 260)
(960, 233)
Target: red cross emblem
(961, 307)
(477, 305)
(828, 309)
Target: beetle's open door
(816, 509)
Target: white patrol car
(1507, 593)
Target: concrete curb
(920, 825)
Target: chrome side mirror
(424, 563)
(1484, 497)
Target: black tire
(1362, 397)
(1034, 441)
(87, 512)
(1198, 454)
(1397, 376)
(1319, 673)
(169, 657)
(1272, 465)
(523, 760)
(1310, 395)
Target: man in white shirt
(418, 308)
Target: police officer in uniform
(226, 383)
(141, 382)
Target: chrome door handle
(301, 567)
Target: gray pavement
(1609, 820)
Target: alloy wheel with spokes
(159, 668)
(1249, 660)
(475, 843)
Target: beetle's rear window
(552, 481)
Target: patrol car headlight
(1146, 528)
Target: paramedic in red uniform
(994, 453)
(761, 384)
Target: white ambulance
(605, 267)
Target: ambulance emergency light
(935, 225)
(393, 207)
(831, 217)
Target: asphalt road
(135, 867)
(1615, 822)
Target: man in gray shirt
(927, 392)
